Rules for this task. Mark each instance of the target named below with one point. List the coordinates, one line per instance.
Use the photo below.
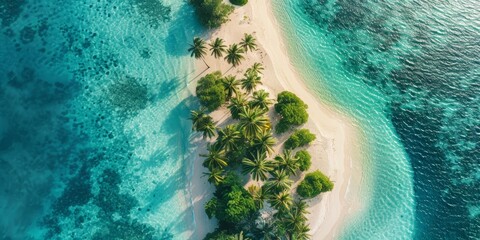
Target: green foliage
(299, 138)
(292, 109)
(220, 235)
(304, 160)
(212, 13)
(211, 207)
(237, 104)
(232, 204)
(210, 91)
(314, 184)
(239, 2)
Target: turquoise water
(94, 136)
(408, 72)
(94, 129)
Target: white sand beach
(336, 150)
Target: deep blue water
(423, 58)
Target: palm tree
(256, 68)
(237, 104)
(197, 117)
(287, 162)
(281, 201)
(240, 236)
(202, 122)
(234, 55)
(265, 142)
(267, 231)
(250, 82)
(253, 122)
(197, 49)
(230, 83)
(248, 42)
(215, 158)
(279, 182)
(208, 128)
(258, 195)
(215, 176)
(257, 165)
(217, 48)
(260, 99)
(300, 206)
(228, 137)
(294, 219)
(301, 232)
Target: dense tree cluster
(313, 184)
(292, 110)
(304, 160)
(212, 13)
(246, 145)
(210, 91)
(239, 2)
(300, 138)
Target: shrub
(314, 184)
(232, 203)
(239, 2)
(210, 91)
(211, 207)
(304, 160)
(212, 13)
(299, 138)
(292, 110)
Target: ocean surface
(94, 101)
(409, 73)
(94, 136)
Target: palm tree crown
(281, 201)
(197, 49)
(228, 137)
(279, 182)
(217, 47)
(258, 195)
(260, 99)
(202, 122)
(215, 176)
(253, 122)
(265, 142)
(256, 68)
(248, 42)
(287, 162)
(257, 165)
(234, 55)
(237, 104)
(215, 158)
(230, 83)
(250, 82)
(197, 117)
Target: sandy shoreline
(335, 152)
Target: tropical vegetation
(246, 150)
(211, 91)
(300, 138)
(212, 13)
(292, 109)
(314, 184)
(239, 2)
(304, 160)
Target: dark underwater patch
(10, 10)
(128, 95)
(154, 11)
